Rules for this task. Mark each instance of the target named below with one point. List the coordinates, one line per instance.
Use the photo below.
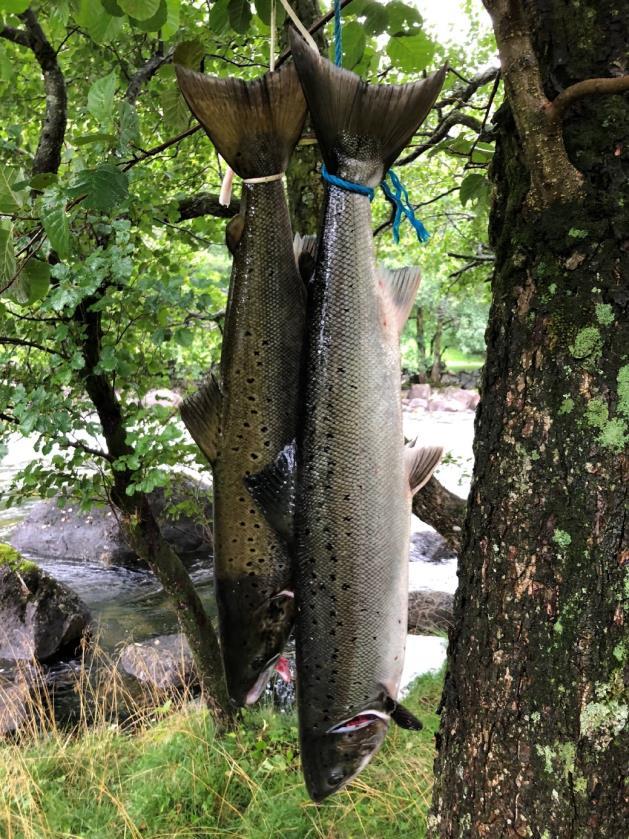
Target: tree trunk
(534, 713)
(435, 373)
(141, 526)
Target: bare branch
(206, 204)
(443, 510)
(17, 36)
(20, 342)
(441, 132)
(145, 74)
(589, 87)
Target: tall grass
(166, 772)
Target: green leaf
(101, 26)
(189, 54)
(411, 52)
(354, 42)
(239, 15)
(402, 18)
(14, 7)
(128, 125)
(376, 18)
(7, 70)
(100, 98)
(263, 11)
(8, 200)
(7, 254)
(184, 337)
(104, 187)
(97, 137)
(172, 21)
(32, 283)
(474, 187)
(139, 9)
(154, 23)
(43, 180)
(219, 17)
(55, 221)
(175, 110)
(112, 8)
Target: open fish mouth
(261, 682)
(361, 720)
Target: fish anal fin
(305, 248)
(402, 717)
(201, 414)
(273, 490)
(421, 462)
(402, 285)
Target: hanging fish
(241, 421)
(355, 477)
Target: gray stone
(163, 662)
(39, 617)
(419, 392)
(429, 546)
(65, 532)
(430, 611)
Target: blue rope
(350, 186)
(403, 207)
(338, 34)
(399, 196)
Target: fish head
(330, 760)
(254, 647)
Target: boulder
(419, 392)
(418, 404)
(66, 532)
(430, 611)
(430, 546)
(164, 662)
(39, 617)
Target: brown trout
(241, 421)
(355, 477)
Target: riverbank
(167, 773)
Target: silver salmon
(355, 477)
(241, 421)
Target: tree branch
(145, 74)
(206, 204)
(316, 26)
(17, 36)
(48, 154)
(443, 510)
(589, 87)
(20, 342)
(441, 132)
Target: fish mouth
(256, 691)
(361, 720)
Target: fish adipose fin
(361, 128)
(254, 125)
(403, 284)
(201, 413)
(273, 489)
(305, 248)
(421, 462)
(402, 716)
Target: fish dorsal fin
(402, 716)
(201, 414)
(421, 462)
(255, 125)
(402, 284)
(273, 489)
(361, 128)
(305, 248)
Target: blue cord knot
(398, 194)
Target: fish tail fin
(254, 125)
(361, 128)
(305, 248)
(403, 284)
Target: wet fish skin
(353, 489)
(255, 127)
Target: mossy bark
(533, 739)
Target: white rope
(300, 27)
(265, 179)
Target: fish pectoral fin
(305, 248)
(233, 232)
(273, 489)
(201, 414)
(402, 285)
(401, 716)
(421, 462)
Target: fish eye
(335, 777)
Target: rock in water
(14, 700)
(164, 662)
(39, 617)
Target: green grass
(456, 360)
(173, 776)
